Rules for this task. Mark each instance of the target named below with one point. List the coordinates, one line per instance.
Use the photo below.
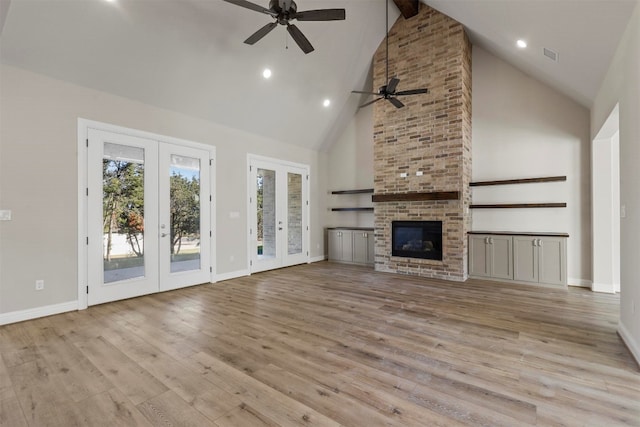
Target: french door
(148, 215)
(278, 212)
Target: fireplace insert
(417, 239)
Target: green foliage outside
(185, 209)
(123, 202)
(123, 205)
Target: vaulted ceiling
(189, 56)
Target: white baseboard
(34, 313)
(232, 275)
(317, 258)
(631, 344)
(579, 282)
(607, 288)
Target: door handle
(163, 234)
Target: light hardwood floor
(325, 344)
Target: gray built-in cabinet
(491, 256)
(519, 257)
(352, 245)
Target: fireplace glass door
(417, 239)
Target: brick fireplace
(431, 136)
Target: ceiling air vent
(550, 54)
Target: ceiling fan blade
(396, 102)
(393, 83)
(252, 6)
(412, 92)
(255, 37)
(368, 93)
(321, 15)
(300, 39)
(370, 102)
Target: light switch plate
(5, 215)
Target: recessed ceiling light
(521, 44)
(266, 73)
(326, 102)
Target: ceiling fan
(284, 11)
(388, 91)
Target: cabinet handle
(364, 235)
(491, 240)
(540, 242)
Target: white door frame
(306, 234)
(83, 135)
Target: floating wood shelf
(363, 191)
(519, 205)
(413, 197)
(519, 181)
(352, 209)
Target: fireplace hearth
(417, 239)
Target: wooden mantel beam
(408, 8)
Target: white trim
(34, 313)
(579, 282)
(232, 275)
(317, 259)
(607, 288)
(633, 346)
(83, 178)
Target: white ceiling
(188, 55)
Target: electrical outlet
(39, 285)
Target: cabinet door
(478, 255)
(347, 245)
(335, 245)
(371, 245)
(360, 247)
(525, 259)
(552, 254)
(501, 259)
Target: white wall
(522, 129)
(621, 85)
(38, 180)
(350, 166)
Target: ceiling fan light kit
(388, 91)
(284, 11)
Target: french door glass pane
(123, 212)
(266, 205)
(184, 199)
(294, 213)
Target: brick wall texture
(432, 134)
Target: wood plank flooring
(325, 345)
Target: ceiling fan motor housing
(284, 15)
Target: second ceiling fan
(388, 91)
(284, 11)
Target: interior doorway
(278, 213)
(606, 208)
